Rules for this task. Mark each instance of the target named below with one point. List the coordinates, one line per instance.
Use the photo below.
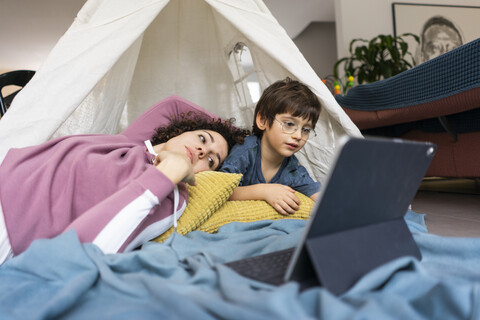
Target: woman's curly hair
(192, 121)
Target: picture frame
(441, 28)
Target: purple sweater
(103, 186)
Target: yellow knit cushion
(253, 210)
(212, 191)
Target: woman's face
(206, 149)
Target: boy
(285, 117)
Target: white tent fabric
(119, 57)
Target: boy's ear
(261, 122)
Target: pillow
(253, 210)
(212, 191)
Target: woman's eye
(210, 162)
(202, 138)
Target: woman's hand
(282, 198)
(176, 166)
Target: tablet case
(357, 222)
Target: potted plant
(380, 58)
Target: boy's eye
(289, 124)
(306, 130)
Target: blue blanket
(184, 279)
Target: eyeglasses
(290, 127)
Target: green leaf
(353, 42)
(337, 64)
(404, 47)
(378, 58)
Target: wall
(30, 28)
(296, 15)
(369, 18)
(318, 45)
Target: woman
(117, 191)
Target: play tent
(119, 57)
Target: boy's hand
(282, 198)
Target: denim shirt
(246, 159)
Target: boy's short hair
(286, 96)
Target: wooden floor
(452, 206)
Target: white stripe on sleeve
(116, 232)
(154, 230)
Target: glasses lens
(306, 133)
(289, 127)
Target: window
(244, 74)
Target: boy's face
(277, 140)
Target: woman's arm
(160, 115)
(110, 223)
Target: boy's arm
(314, 196)
(303, 183)
(282, 198)
(252, 192)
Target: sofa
(436, 101)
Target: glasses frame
(292, 131)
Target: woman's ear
(261, 122)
